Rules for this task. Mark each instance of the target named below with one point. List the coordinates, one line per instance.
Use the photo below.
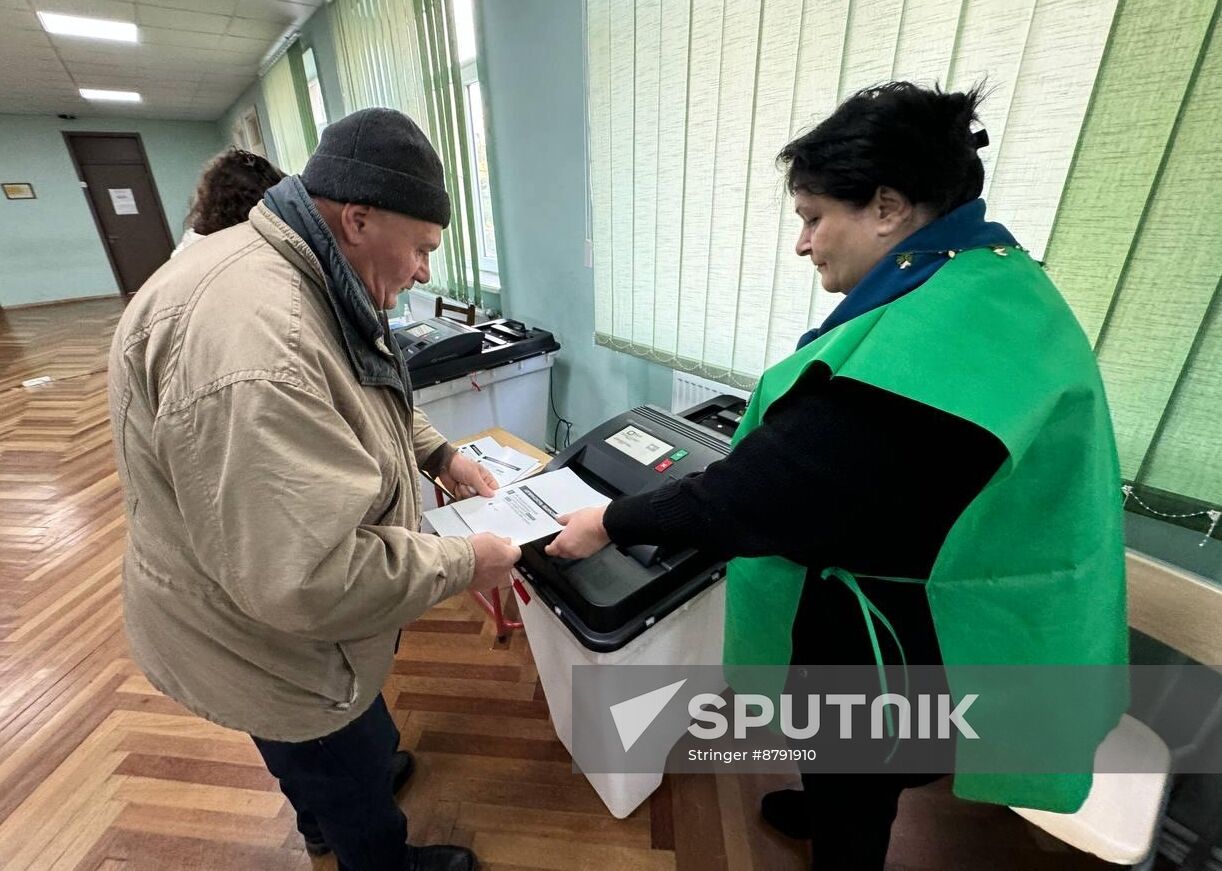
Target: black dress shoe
(441, 857)
(317, 848)
(402, 766)
(786, 811)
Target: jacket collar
(364, 332)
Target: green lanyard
(870, 613)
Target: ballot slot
(506, 330)
(720, 415)
(646, 554)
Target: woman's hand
(464, 477)
(583, 534)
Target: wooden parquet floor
(100, 771)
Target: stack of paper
(522, 512)
(506, 464)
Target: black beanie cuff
(347, 180)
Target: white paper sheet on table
(506, 464)
(522, 512)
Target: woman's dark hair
(229, 188)
(916, 140)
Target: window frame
(245, 124)
(489, 266)
(314, 85)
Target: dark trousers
(340, 786)
(851, 814)
(851, 817)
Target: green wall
(50, 246)
(532, 76)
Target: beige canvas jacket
(273, 501)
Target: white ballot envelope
(522, 512)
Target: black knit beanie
(379, 157)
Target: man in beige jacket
(269, 453)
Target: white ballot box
(690, 635)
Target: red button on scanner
(664, 465)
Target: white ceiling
(192, 61)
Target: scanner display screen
(643, 447)
(420, 330)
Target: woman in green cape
(931, 478)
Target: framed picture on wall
(18, 190)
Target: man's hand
(464, 477)
(583, 534)
(494, 557)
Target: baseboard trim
(50, 302)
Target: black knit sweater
(841, 473)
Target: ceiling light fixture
(113, 96)
(91, 28)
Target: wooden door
(122, 195)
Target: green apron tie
(870, 613)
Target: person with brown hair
(232, 183)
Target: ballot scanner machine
(440, 349)
(633, 605)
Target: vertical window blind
(288, 109)
(1101, 162)
(1137, 246)
(403, 54)
(689, 104)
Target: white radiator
(687, 390)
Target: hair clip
(980, 138)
